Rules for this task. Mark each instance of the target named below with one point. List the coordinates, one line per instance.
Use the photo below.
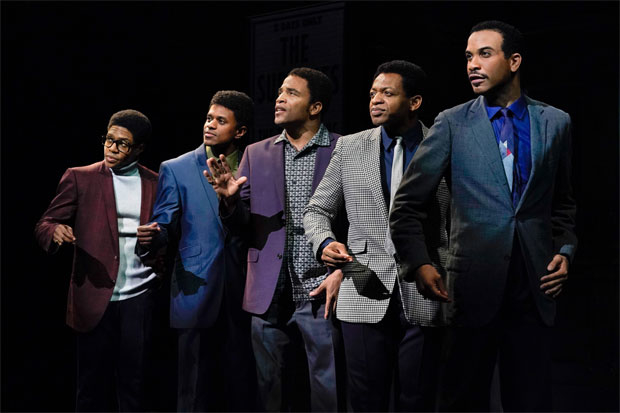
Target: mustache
(476, 74)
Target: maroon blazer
(85, 201)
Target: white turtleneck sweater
(133, 277)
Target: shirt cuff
(324, 244)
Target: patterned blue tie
(507, 150)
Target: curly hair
(414, 78)
(239, 103)
(512, 39)
(136, 122)
(319, 84)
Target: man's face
(220, 129)
(487, 67)
(389, 105)
(293, 102)
(112, 156)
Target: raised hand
(222, 178)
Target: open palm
(222, 179)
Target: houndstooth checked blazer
(354, 177)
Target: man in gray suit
(506, 158)
(386, 325)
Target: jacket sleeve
(325, 203)
(61, 210)
(165, 212)
(415, 196)
(563, 208)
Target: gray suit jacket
(353, 177)
(462, 147)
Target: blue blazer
(461, 146)
(186, 209)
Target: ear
(315, 108)
(138, 149)
(515, 62)
(240, 132)
(415, 102)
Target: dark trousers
(273, 342)
(112, 358)
(391, 358)
(216, 367)
(523, 343)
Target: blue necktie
(509, 154)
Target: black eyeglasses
(122, 144)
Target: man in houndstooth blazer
(385, 324)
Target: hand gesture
(552, 283)
(147, 232)
(335, 254)
(430, 285)
(222, 178)
(63, 233)
(331, 286)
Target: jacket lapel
(538, 141)
(276, 153)
(200, 161)
(107, 191)
(424, 130)
(482, 131)
(147, 197)
(371, 161)
(323, 156)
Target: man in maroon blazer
(97, 209)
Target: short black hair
(239, 103)
(319, 84)
(512, 39)
(136, 122)
(414, 78)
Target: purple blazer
(260, 215)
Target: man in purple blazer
(97, 209)
(285, 283)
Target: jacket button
(279, 256)
(507, 257)
(116, 257)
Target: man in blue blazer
(506, 159)
(214, 349)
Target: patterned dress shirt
(300, 268)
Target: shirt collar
(232, 159)
(126, 170)
(518, 108)
(411, 138)
(320, 138)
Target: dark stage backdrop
(67, 66)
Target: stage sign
(311, 37)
